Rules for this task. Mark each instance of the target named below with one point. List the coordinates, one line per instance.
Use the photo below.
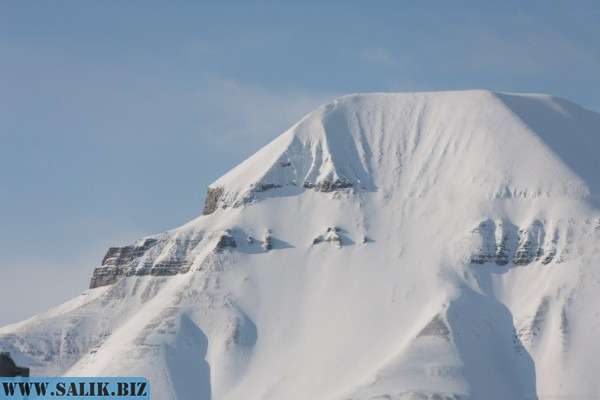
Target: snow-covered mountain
(387, 246)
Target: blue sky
(115, 116)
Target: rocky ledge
(329, 186)
(213, 195)
(501, 242)
(162, 256)
(218, 197)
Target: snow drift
(387, 246)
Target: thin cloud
(378, 56)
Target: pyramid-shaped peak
(377, 141)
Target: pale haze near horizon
(117, 116)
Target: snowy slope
(387, 246)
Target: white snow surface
(398, 310)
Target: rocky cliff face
(215, 197)
(164, 255)
(502, 242)
(212, 200)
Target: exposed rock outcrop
(328, 186)
(167, 255)
(267, 242)
(226, 241)
(331, 235)
(103, 276)
(263, 187)
(8, 368)
(120, 261)
(502, 242)
(436, 327)
(530, 244)
(487, 250)
(211, 203)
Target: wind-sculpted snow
(387, 246)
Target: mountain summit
(387, 246)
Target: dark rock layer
(328, 186)
(502, 243)
(226, 241)
(120, 261)
(212, 200)
(8, 368)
